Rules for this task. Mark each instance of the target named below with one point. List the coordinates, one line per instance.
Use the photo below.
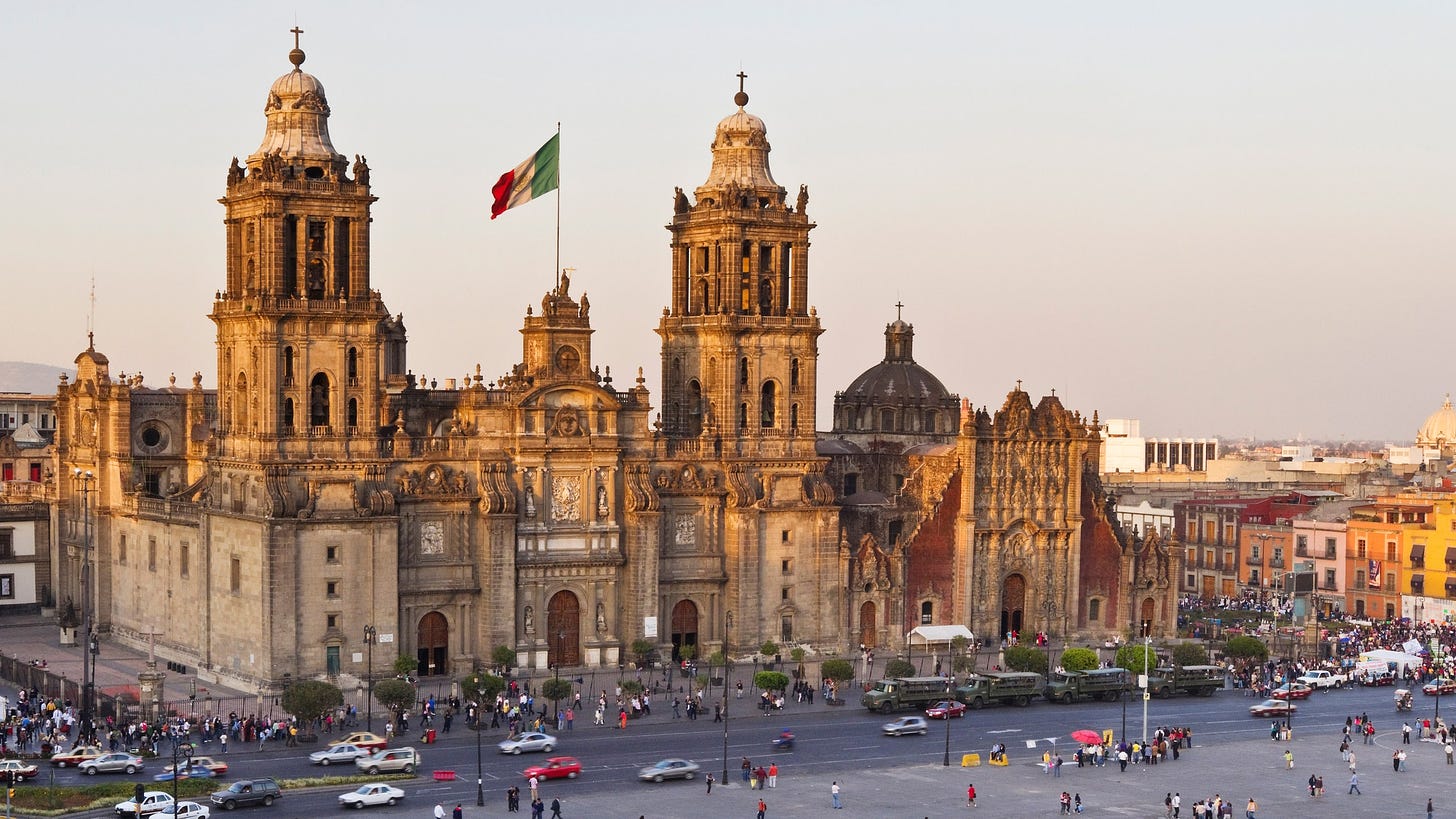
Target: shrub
(771, 680)
(503, 656)
(1025, 658)
(899, 668)
(1190, 654)
(310, 699)
(556, 689)
(1244, 647)
(1130, 657)
(837, 670)
(768, 649)
(1079, 659)
(473, 684)
(396, 695)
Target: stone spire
(296, 141)
(740, 159)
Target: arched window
(288, 415)
(240, 411)
(794, 374)
(1094, 610)
(318, 401)
(353, 412)
(927, 613)
(768, 405)
(694, 407)
(314, 280)
(353, 365)
(887, 420)
(931, 419)
(287, 366)
(743, 372)
(794, 418)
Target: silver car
(345, 754)
(112, 763)
(528, 741)
(669, 769)
(905, 725)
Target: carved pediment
(435, 480)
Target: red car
(557, 767)
(1443, 686)
(945, 709)
(1292, 691)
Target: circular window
(151, 436)
(151, 439)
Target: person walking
(439, 811)
(746, 767)
(1449, 749)
(971, 795)
(1250, 808)
(556, 809)
(773, 775)
(1405, 732)
(513, 799)
(1177, 803)
(1430, 809)
(1354, 784)
(762, 808)
(459, 812)
(1395, 761)
(834, 793)
(1168, 806)
(1288, 759)
(1311, 786)
(538, 809)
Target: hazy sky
(1223, 219)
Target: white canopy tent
(936, 639)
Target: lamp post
(370, 635)
(88, 652)
(181, 761)
(727, 667)
(1050, 607)
(479, 769)
(949, 702)
(1147, 649)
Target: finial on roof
(296, 55)
(899, 305)
(1018, 385)
(741, 98)
(91, 348)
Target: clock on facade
(567, 359)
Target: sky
(1223, 219)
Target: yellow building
(1382, 536)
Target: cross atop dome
(296, 56)
(741, 98)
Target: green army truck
(1098, 684)
(1010, 687)
(906, 692)
(1197, 680)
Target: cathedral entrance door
(563, 629)
(1013, 602)
(432, 645)
(867, 620)
(684, 627)
(1147, 621)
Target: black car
(246, 792)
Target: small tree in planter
(405, 666)
(769, 649)
(395, 695)
(775, 681)
(483, 688)
(1190, 654)
(1079, 659)
(556, 689)
(717, 660)
(310, 700)
(503, 657)
(687, 652)
(899, 668)
(1025, 658)
(642, 649)
(798, 654)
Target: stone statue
(803, 203)
(585, 306)
(601, 501)
(530, 501)
(361, 169)
(530, 620)
(680, 201)
(235, 173)
(565, 283)
(601, 619)
(731, 194)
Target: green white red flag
(535, 177)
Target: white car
(905, 725)
(152, 802)
(528, 741)
(377, 793)
(344, 754)
(185, 810)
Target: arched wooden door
(432, 645)
(867, 629)
(1013, 602)
(1149, 606)
(684, 626)
(563, 629)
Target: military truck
(1100, 683)
(1198, 680)
(1010, 687)
(906, 692)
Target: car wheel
(231, 804)
(359, 805)
(409, 769)
(391, 801)
(688, 775)
(324, 762)
(90, 771)
(516, 750)
(571, 775)
(131, 769)
(373, 769)
(657, 778)
(546, 748)
(268, 800)
(60, 764)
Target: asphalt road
(830, 740)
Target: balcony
(1276, 562)
(1254, 560)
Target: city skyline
(1162, 213)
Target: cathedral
(323, 499)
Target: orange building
(1379, 534)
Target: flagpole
(558, 204)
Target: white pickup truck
(1323, 679)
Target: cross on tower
(898, 306)
(741, 77)
(295, 31)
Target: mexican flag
(535, 177)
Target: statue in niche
(530, 616)
(530, 501)
(601, 619)
(602, 502)
(361, 169)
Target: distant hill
(23, 376)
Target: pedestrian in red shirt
(971, 795)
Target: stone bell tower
(305, 346)
(739, 344)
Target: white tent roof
(938, 634)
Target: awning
(1418, 581)
(1418, 551)
(1451, 584)
(1451, 554)
(931, 635)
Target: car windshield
(364, 789)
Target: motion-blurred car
(185, 810)
(1441, 686)
(76, 756)
(905, 725)
(344, 754)
(194, 772)
(669, 769)
(391, 760)
(18, 769)
(364, 739)
(152, 802)
(112, 763)
(528, 741)
(217, 766)
(377, 793)
(557, 767)
(1273, 708)
(1292, 691)
(945, 709)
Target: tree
(396, 695)
(484, 686)
(1025, 658)
(768, 649)
(642, 649)
(771, 680)
(1244, 647)
(687, 652)
(1079, 659)
(630, 687)
(405, 665)
(899, 668)
(503, 656)
(556, 690)
(837, 670)
(1130, 657)
(309, 700)
(717, 658)
(1190, 654)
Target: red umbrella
(1087, 737)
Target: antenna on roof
(91, 317)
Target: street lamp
(1147, 649)
(479, 770)
(181, 761)
(370, 636)
(88, 658)
(946, 761)
(727, 667)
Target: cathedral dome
(896, 395)
(740, 158)
(1440, 428)
(298, 124)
